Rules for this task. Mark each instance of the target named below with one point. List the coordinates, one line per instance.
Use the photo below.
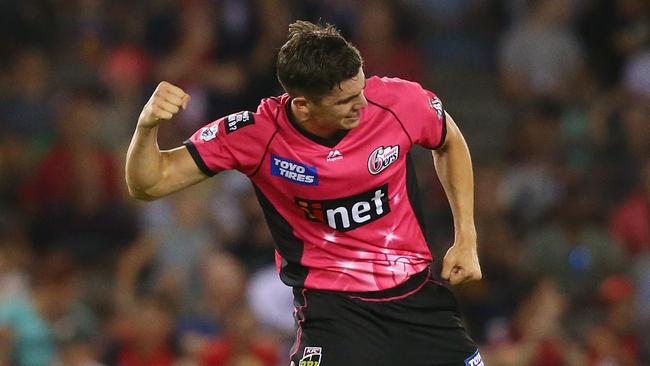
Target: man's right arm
(150, 172)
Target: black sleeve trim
(198, 159)
(443, 136)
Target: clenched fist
(164, 103)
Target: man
(330, 164)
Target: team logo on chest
(293, 171)
(381, 158)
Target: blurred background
(553, 97)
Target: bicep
(452, 134)
(179, 171)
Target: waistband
(412, 285)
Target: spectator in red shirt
(74, 196)
(241, 344)
(630, 220)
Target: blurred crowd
(553, 97)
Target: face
(341, 108)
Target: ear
(301, 104)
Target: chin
(350, 123)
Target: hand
(461, 264)
(164, 103)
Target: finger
(475, 276)
(185, 100)
(457, 276)
(172, 98)
(171, 88)
(160, 113)
(446, 270)
(166, 106)
(462, 276)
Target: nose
(363, 102)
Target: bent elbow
(140, 195)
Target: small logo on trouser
(311, 356)
(474, 360)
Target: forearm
(454, 168)
(144, 162)
(151, 173)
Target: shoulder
(245, 125)
(419, 111)
(262, 121)
(402, 96)
(236, 141)
(392, 90)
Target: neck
(311, 125)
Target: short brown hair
(315, 59)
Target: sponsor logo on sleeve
(348, 213)
(237, 121)
(311, 356)
(381, 158)
(293, 171)
(436, 105)
(208, 133)
(474, 360)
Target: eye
(348, 100)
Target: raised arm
(454, 168)
(150, 172)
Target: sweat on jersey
(345, 214)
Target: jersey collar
(328, 142)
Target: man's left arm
(454, 168)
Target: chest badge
(381, 158)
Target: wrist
(465, 231)
(466, 236)
(144, 127)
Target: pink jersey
(344, 214)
